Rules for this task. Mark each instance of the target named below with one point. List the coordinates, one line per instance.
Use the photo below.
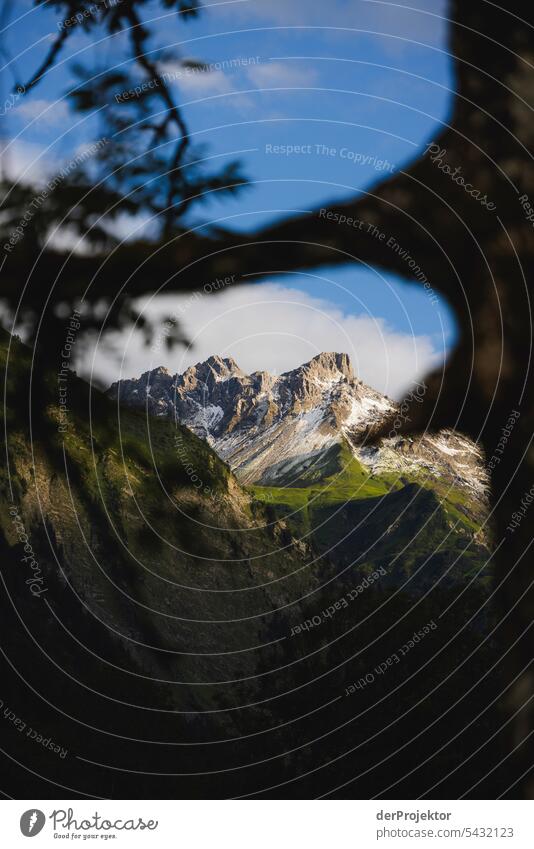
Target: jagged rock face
(273, 428)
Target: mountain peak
(332, 361)
(214, 368)
(326, 365)
(218, 362)
(327, 361)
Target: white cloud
(193, 80)
(26, 161)
(210, 82)
(195, 83)
(45, 111)
(274, 74)
(275, 328)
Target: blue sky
(349, 81)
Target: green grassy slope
(410, 524)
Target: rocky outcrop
(272, 429)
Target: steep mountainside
(127, 522)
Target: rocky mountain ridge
(278, 429)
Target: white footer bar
(269, 824)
